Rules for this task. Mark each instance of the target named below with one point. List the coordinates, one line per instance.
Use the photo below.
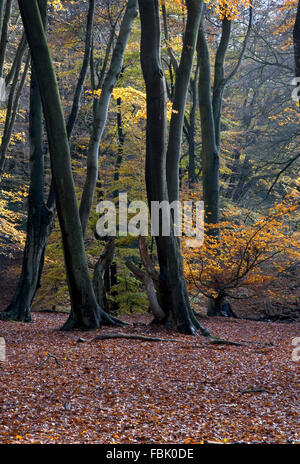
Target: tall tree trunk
(4, 34)
(102, 111)
(85, 312)
(85, 64)
(183, 74)
(296, 38)
(2, 2)
(210, 153)
(121, 141)
(40, 217)
(12, 108)
(173, 291)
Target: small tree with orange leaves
(244, 259)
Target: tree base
(16, 312)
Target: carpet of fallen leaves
(54, 389)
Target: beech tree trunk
(296, 38)
(4, 33)
(40, 217)
(183, 74)
(102, 111)
(173, 292)
(85, 312)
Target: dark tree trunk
(121, 141)
(85, 312)
(4, 33)
(40, 217)
(13, 100)
(296, 37)
(85, 64)
(101, 112)
(183, 74)
(210, 153)
(173, 291)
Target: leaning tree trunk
(4, 33)
(102, 111)
(85, 312)
(41, 215)
(40, 218)
(173, 292)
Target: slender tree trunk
(210, 153)
(85, 64)
(2, 2)
(190, 130)
(19, 55)
(4, 34)
(121, 141)
(173, 291)
(183, 74)
(12, 108)
(40, 218)
(102, 111)
(296, 38)
(85, 312)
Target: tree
(173, 292)
(210, 104)
(183, 73)
(41, 213)
(296, 37)
(40, 217)
(85, 312)
(101, 112)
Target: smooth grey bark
(183, 74)
(103, 265)
(102, 112)
(121, 141)
(85, 64)
(190, 129)
(19, 53)
(2, 3)
(40, 217)
(4, 34)
(85, 312)
(173, 292)
(12, 107)
(210, 104)
(210, 154)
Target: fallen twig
(255, 390)
(49, 356)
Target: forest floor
(54, 389)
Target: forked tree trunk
(40, 215)
(173, 291)
(85, 312)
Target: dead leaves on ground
(55, 390)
